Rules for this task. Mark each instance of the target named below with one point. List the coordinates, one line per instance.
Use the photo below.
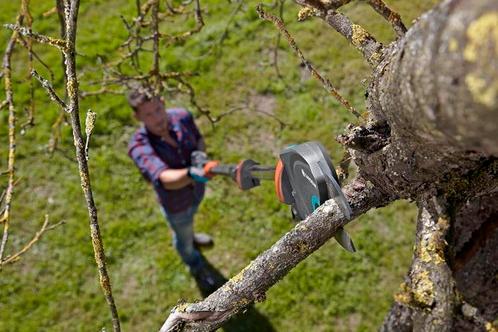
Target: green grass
(55, 286)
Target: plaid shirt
(152, 155)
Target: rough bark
(431, 136)
(421, 100)
(475, 241)
(429, 287)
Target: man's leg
(183, 238)
(201, 239)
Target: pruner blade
(335, 192)
(343, 238)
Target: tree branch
(269, 267)
(9, 98)
(354, 33)
(50, 90)
(391, 16)
(325, 82)
(45, 227)
(70, 19)
(430, 284)
(59, 43)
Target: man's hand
(197, 174)
(201, 167)
(202, 174)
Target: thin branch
(101, 91)
(70, 18)
(391, 16)
(193, 100)
(37, 57)
(280, 4)
(359, 37)
(235, 11)
(325, 82)
(199, 25)
(29, 46)
(252, 283)
(9, 97)
(45, 227)
(50, 90)
(155, 33)
(3, 104)
(55, 134)
(24, 31)
(232, 110)
(173, 10)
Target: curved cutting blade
(343, 238)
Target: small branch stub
(89, 126)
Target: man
(163, 149)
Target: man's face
(153, 115)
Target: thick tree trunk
(431, 137)
(434, 103)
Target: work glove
(197, 174)
(201, 166)
(202, 174)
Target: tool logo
(308, 178)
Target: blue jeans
(182, 224)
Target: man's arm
(175, 178)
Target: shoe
(203, 240)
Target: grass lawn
(55, 286)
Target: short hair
(138, 96)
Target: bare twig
(252, 282)
(101, 91)
(193, 100)
(9, 97)
(15, 257)
(55, 134)
(29, 47)
(67, 46)
(199, 25)
(391, 16)
(71, 14)
(142, 32)
(280, 4)
(50, 90)
(37, 57)
(235, 11)
(354, 33)
(248, 107)
(3, 104)
(27, 32)
(325, 82)
(156, 53)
